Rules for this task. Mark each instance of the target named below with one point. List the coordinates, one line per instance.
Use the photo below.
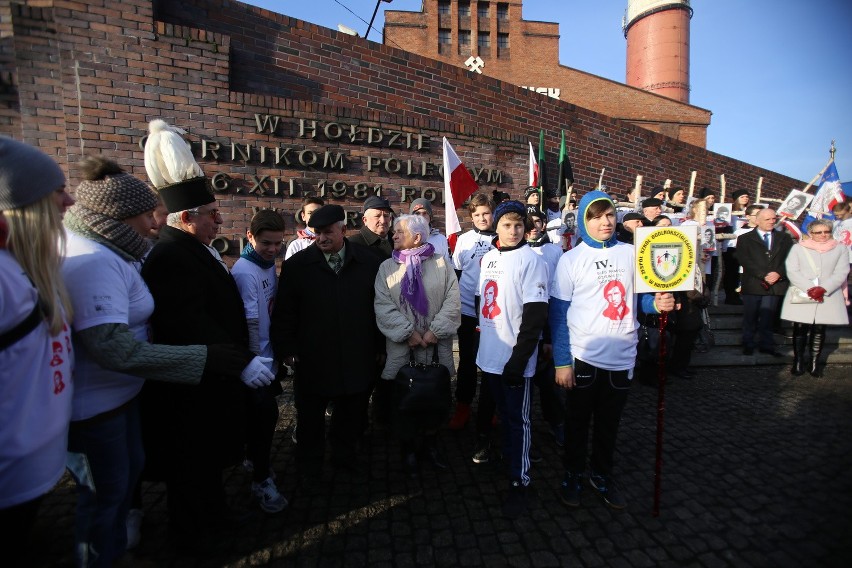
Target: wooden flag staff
(692, 184)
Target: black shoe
(682, 374)
(571, 489)
(772, 352)
(748, 350)
(483, 453)
(515, 503)
(607, 489)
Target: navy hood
(585, 202)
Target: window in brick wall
(444, 36)
(503, 12)
(483, 40)
(464, 8)
(464, 38)
(503, 41)
(482, 10)
(444, 7)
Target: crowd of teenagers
(130, 351)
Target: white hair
(174, 219)
(414, 224)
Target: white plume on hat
(168, 157)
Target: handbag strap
(811, 262)
(435, 360)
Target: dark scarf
(117, 236)
(251, 255)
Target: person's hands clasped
(257, 373)
(816, 293)
(416, 340)
(772, 278)
(430, 338)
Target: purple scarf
(413, 293)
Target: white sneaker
(268, 497)
(134, 527)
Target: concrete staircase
(726, 323)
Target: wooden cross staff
(692, 184)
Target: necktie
(335, 262)
(766, 239)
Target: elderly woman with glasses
(417, 308)
(819, 266)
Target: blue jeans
(513, 407)
(112, 444)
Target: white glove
(257, 373)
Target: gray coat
(833, 268)
(395, 322)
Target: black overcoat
(328, 322)
(757, 262)
(196, 302)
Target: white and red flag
(458, 186)
(534, 177)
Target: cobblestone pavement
(757, 472)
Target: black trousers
(467, 371)
(731, 278)
(598, 394)
(262, 416)
(344, 433)
(759, 314)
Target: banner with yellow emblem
(665, 258)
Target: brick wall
(88, 77)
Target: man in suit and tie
(324, 327)
(762, 253)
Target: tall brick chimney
(657, 33)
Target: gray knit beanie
(108, 190)
(421, 203)
(26, 174)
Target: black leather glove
(226, 359)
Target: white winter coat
(832, 269)
(396, 323)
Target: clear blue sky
(776, 74)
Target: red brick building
(277, 109)
(526, 53)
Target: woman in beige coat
(818, 265)
(417, 307)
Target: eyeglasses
(820, 232)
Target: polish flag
(458, 186)
(533, 168)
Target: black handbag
(422, 390)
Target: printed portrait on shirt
(616, 308)
(490, 308)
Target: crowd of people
(130, 351)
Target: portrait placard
(793, 205)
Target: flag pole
(600, 179)
(661, 412)
(831, 153)
(637, 192)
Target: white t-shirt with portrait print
(507, 281)
(602, 320)
(470, 248)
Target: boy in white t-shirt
(593, 330)
(257, 281)
(469, 250)
(512, 314)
